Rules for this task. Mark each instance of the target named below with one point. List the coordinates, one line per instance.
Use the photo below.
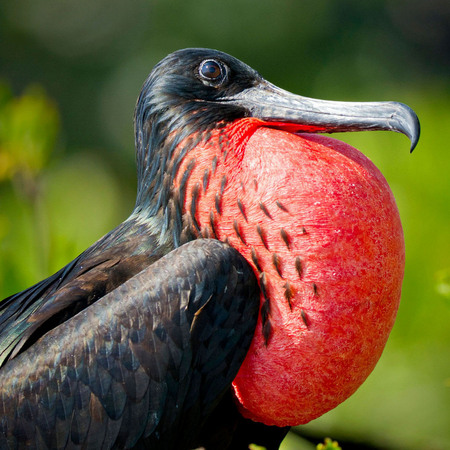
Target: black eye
(212, 71)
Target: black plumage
(172, 338)
(137, 340)
(173, 107)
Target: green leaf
(329, 445)
(256, 447)
(29, 126)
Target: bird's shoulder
(29, 314)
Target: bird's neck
(165, 161)
(236, 188)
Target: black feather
(164, 341)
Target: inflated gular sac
(319, 224)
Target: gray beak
(272, 104)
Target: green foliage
(328, 445)
(29, 126)
(28, 129)
(256, 447)
(443, 283)
(51, 209)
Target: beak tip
(414, 136)
(409, 124)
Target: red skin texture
(331, 210)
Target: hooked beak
(302, 114)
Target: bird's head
(201, 88)
(193, 91)
(184, 96)
(192, 88)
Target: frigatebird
(136, 341)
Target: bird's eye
(212, 71)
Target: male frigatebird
(137, 341)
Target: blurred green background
(70, 73)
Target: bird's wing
(146, 363)
(28, 315)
